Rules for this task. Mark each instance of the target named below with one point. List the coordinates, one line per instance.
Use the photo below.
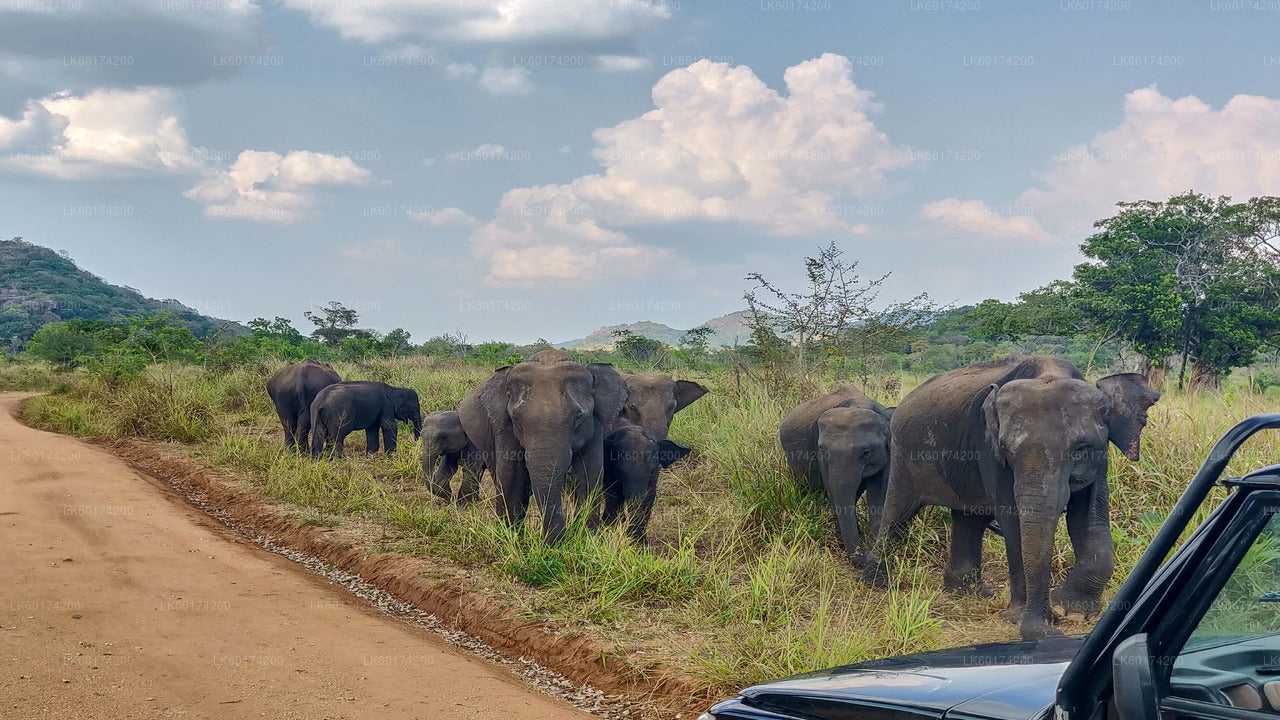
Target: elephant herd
(1011, 445)
(1017, 442)
(535, 427)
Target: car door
(1216, 649)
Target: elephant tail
(317, 430)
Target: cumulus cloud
(448, 217)
(106, 132)
(719, 146)
(1162, 147)
(269, 187)
(975, 216)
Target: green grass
(745, 580)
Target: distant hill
(729, 329)
(39, 286)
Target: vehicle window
(1233, 655)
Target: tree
(638, 349)
(62, 344)
(395, 343)
(1193, 277)
(835, 315)
(696, 343)
(334, 323)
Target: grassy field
(746, 580)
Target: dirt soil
(120, 599)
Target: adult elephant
(839, 443)
(292, 388)
(374, 407)
(1020, 440)
(653, 400)
(536, 422)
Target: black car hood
(1005, 681)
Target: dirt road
(119, 601)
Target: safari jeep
(1197, 636)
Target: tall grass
(745, 579)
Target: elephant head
(405, 407)
(654, 399)
(554, 412)
(853, 453)
(1061, 428)
(442, 433)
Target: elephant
(1021, 440)
(632, 461)
(292, 388)
(535, 423)
(839, 443)
(445, 448)
(654, 399)
(344, 407)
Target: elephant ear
(984, 429)
(1128, 399)
(669, 452)
(610, 392)
(888, 413)
(494, 398)
(686, 392)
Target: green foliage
(638, 349)
(1193, 276)
(39, 286)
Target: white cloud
(507, 21)
(269, 187)
(448, 217)
(719, 146)
(506, 80)
(104, 132)
(976, 217)
(1162, 147)
(623, 63)
(460, 71)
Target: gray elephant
(537, 422)
(1019, 440)
(374, 407)
(840, 443)
(292, 388)
(654, 399)
(445, 448)
(632, 461)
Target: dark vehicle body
(1165, 647)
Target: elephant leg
(964, 564)
(512, 478)
(389, 431)
(317, 441)
(302, 428)
(443, 474)
(472, 471)
(614, 497)
(1007, 516)
(371, 439)
(640, 509)
(1038, 510)
(588, 466)
(900, 507)
(340, 442)
(1089, 525)
(874, 487)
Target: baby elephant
(345, 407)
(839, 443)
(445, 447)
(632, 460)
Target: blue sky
(532, 168)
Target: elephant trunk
(842, 473)
(548, 463)
(1040, 499)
